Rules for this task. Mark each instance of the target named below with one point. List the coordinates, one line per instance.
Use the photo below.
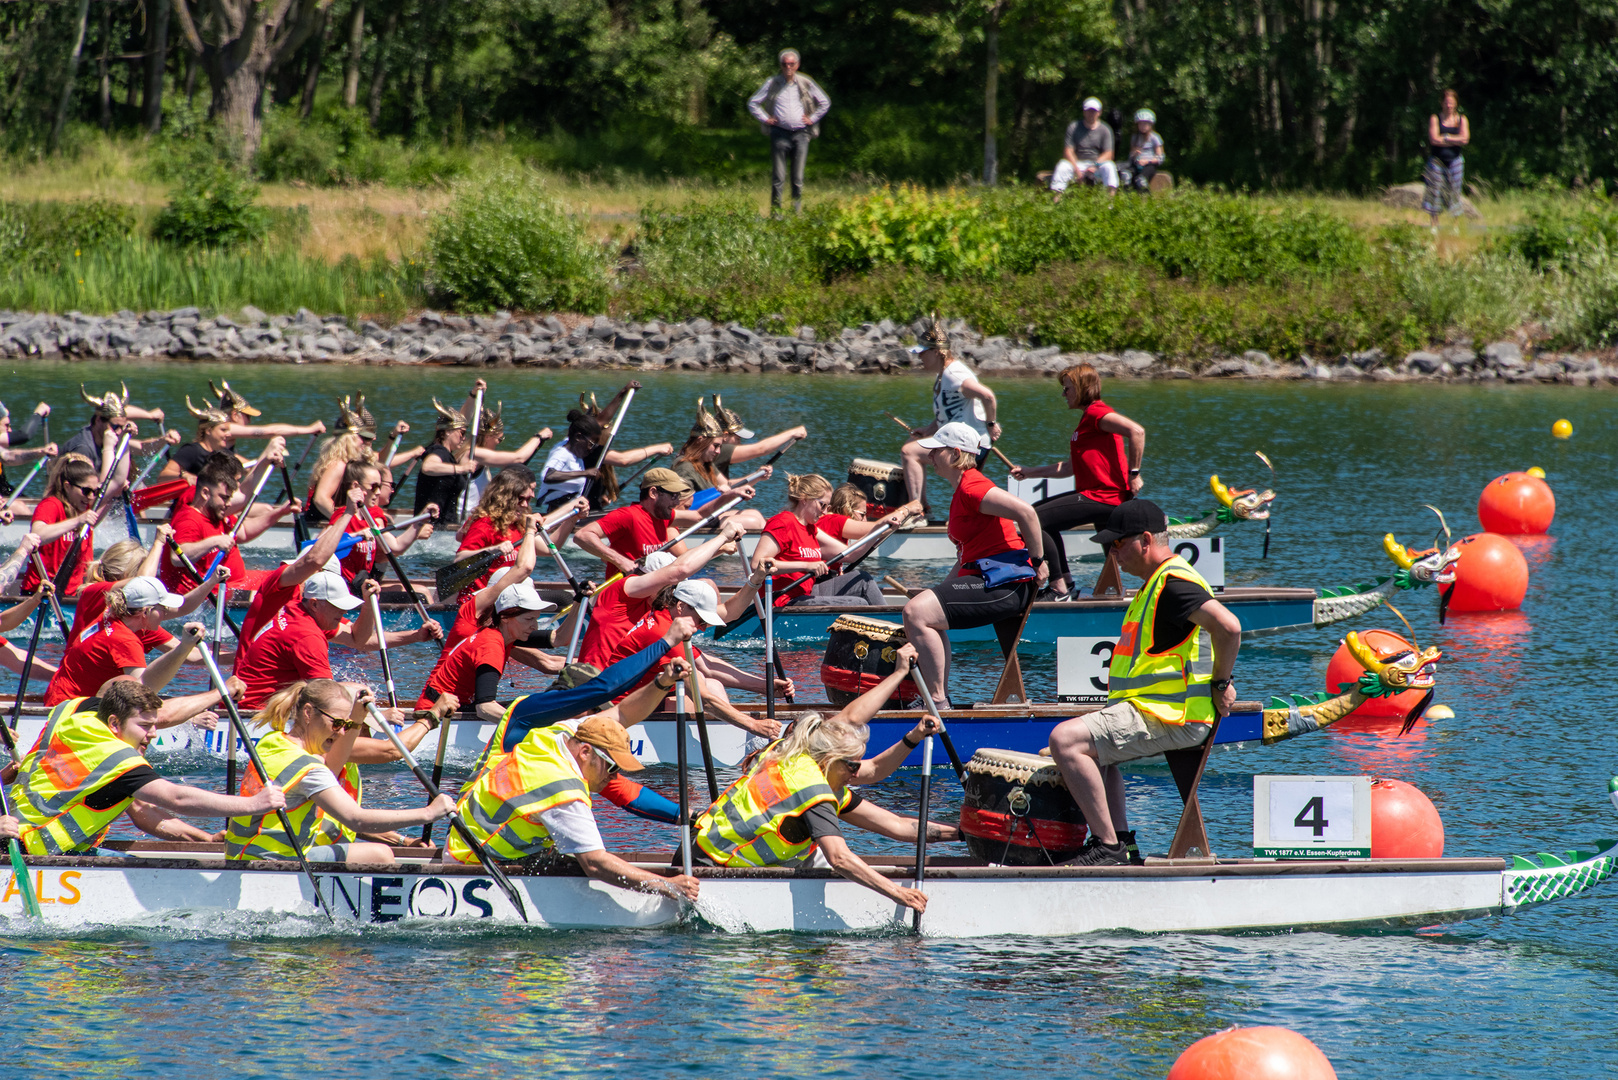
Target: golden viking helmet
(706, 424)
(449, 419)
(590, 407)
(207, 417)
(493, 423)
(729, 420)
(110, 406)
(230, 400)
(352, 415)
(937, 335)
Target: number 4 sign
(1311, 817)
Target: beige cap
(609, 737)
(664, 480)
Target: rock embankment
(698, 345)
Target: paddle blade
(158, 494)
(19, 874)
(451, 579)
(703, 498)
(344, 546)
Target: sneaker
(1095, 853)
(1127, 838)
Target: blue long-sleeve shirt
(544, 709)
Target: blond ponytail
(806, 486)
(280, 713)
(824, 739)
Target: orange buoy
(1253, 1053)
(1345, 669)
(1404, 823)
(1491, 575)
(1517, 504)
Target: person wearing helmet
(1145, 151)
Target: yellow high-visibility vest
(261, 836)
(77, 755)
(502, 807)
(1169, 686)
(744, 827)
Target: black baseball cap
(1130, 518)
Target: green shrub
(213, 205)
(34, 232)
(713, 244)
(948, 233)
(1559, 230)
(506, 242)
(1583, 300)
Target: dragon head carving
(1418, 569)
(1392, 666)
(1247, 504)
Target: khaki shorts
(1123, 733)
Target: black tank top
(1447, 154)
(443, 490)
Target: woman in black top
(1447, 132)
(445, 467)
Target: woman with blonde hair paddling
(310, 723)
(790, 542)
(352, 442)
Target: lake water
(1521, 768)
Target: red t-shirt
(191, 525)
(833, 525)
(1100, 462)
(271, 597)
(457, 670)
(466, 621)
(361, 558)
(651, 627)
(289, 646)
(482, 534)
(975, 533)
(633, 533)
(53, 511)
(92, 601)
(612, 615)
(797, 544)
(100, 653)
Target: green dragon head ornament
(1389, 670)
(1241, 504)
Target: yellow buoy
(1440, 712)
(1562, 429)
(1536, 471)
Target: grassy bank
(1193, 274)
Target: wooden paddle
(382, 645)
(455, 820)
(240, 729)
(909, 430)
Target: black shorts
(967, 603)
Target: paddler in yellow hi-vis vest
(534, 798)
(1170, 675)
(87, 769)
(790, 806)
(313, 721)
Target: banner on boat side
(1312, 817)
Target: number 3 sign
(1311, 817)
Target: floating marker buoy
(1491, 575)
(1535, 470)
(1517, 504)
(1253, 1053)
(1345, 669)
(1439, 712)
(1404, 822)
(1562, 429)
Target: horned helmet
(208, 417)
(353, 417)
(706, 425)
(729, 420)
(110, 406)
(937, 337)
(230, 400)
(449, 419)
(590, 407)
(492, 423)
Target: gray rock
(1503, 354)
(1255, 356)
(699, 326)
(1137, 361)
(1545, 372)
(1425, 362)
(1231, 368)
(1459, 356)
(554, 325)
(328, 342)
(1368, 359)
(253, 314)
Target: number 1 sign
(1311, 817)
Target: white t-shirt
(562, 460)
(572, 825)
(475, 487)
(950, 403)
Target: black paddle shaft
(191, 568)
(300, 531)
(22, 681)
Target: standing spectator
(1447, 132)
(789, 108)
(1086, 153)
(1145, 151)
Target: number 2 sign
(1311, 817)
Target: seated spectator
(1087, 153)
(1145, 151)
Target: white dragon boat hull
(965, 900)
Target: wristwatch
(658, 682)
(1218, 685)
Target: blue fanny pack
(1006, 568)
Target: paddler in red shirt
(630, 533)
(996, 572)
(361, 560)
(472, 668)
(1104, 458)
(790, 540)
(203, 527)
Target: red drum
(860, 653)
(883, 483)
(1018, 811)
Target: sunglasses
(338, 723)
(612, 766)
(851, 764)
(86, 491)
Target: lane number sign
(1311, 817)
(1081, 669)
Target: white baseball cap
(145, 592)
(957, 435)
(521, 597)
(331, 588)
(333, 565)
(1092, 103)
(703, 598)
(657, 560)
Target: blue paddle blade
(344, 546)
(129, 520)
(703, 498)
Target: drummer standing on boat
(1170, 677)
(958, 398)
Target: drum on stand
(1017, 810)
(860, 653)
(883, 484)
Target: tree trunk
(317, 57)
(379, 73)
(356, 45)
(238, 100)
(991, 93)
(104, 69)
(71, 76)
(157, 51)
